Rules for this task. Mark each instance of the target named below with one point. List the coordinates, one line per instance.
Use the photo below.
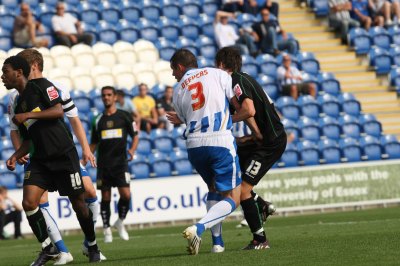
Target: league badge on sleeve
(52, 93)
(237, 90)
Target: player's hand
(20, 118)
(131, 153)
(11, 162)
(244, 141)
(87, 156)
(173, 118)
(23, 160)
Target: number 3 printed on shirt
(197, 96)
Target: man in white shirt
(291, 80)
(67, 28)
(225, 34)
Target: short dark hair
(17, 62)
(230, 57)
(32, 56)
(109, 88)
(120, 92)
(183, 57)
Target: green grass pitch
(367, 237)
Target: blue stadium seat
(6, 144)
(249, 65)
(329, 83)
(351, 150)
(164, 144)
(330, 151)
(389, 138)
(321, 8)
(394, 78)
(144, 135)
(90, 14)
(6, 153)
(5, 40)
(394, 32)
(33, 4)
(392, 150)
(268, 64)
(371, 147)
(148, 30)
(183, 167)
(210, 7)
(111, 15)
(308, 63)
(270, 86)
(92, 171)
(288, 107)
(180, 143)
(207, 47)
(169, 29)
(107, 32)
(158, 132)
(9, 180)
(309, 106)
(189, 27)
(395, 54)
(128, 32)
(162, 169)
(186, 43)
(330, 127)
(151, 11)
(191, 8)
(291, 127)
(329, 104)
(171, 10)
(83, 103)
(310, 156)
(10, 4)
(165, 48)
(352, 107)
(156, 157)
(178, 155)
(130, 11)
(140, 170)
(380, 37)
(246, 20)
(158, 90)
(290, 158)
(177, 132)
(381, 60)
(309, 129)
(144, 147)
(206, 24)
(359, 39)
(350, 126)
(204, 62)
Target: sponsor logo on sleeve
(52, 93)
(237, 90)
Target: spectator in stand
(10, 211)
(67, 28)
(164, 104)
(292, 82)
(146, 106)
(361, 13)
(24, 29)
(386, 9)
(250, 6)
(127, 105)
(270, 37)
(225, 34)
(339, 17)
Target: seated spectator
(250, 6)
(67, 28)
(273, 7)
(146, 107)
(290, 79)
(10, 211)
(127, 105)
(339, 17)
(361, 13)
(271, 37)
(385, 8)
(225, 34)
(24, 30)
(164, 104)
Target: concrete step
(339, 63)
(343, 68)
(376, 97)
(389, 118)
(297, 28)
(327, 49)
(385, 107)
(356, 76)
(312, 44)
(337, 57)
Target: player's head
(34, 58)
(108, 96)
(181, 61)
(229, 59)
(15, 72)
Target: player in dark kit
(257, 153)
(110, 131)
(54, 163)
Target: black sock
(105, 213)
(123, 208)
(38, 225)
(260, 201)
(93, 248)
(88, 227)
(252, 216)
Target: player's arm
(132, 149)
(16, 142)
(80, 134)
(22, 151)
(53, 112)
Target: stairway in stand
(352, 71)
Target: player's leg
(105, 211)
(123, 209)
(213, 197)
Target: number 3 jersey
(201, 101)
(110, 132)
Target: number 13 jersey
(201, 101)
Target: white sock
(52, 228)
(94, 206)
(212, 199)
